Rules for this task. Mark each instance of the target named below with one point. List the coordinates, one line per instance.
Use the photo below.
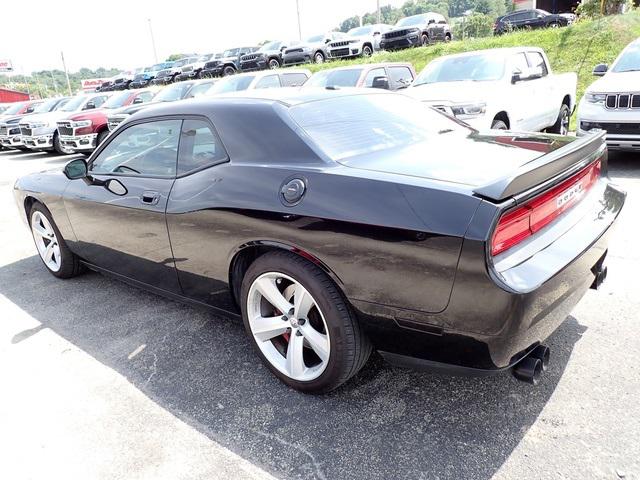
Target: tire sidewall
(66, 257)
(500, 125)
(332, 316)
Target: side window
(200, 147)
(536, 60)
(293, 79)
(97, 101)
(400, 77)
(519, 63)
(149, 148)
(270, 81)
(376, 72)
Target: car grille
(623, 101)
(340, 44)
(397, 33)
(65, 129)
(26, 131)
(211, 64)
(294, 50)
(248, 58)
(340, 52)
(613, 128)
(3, 130)
(14, 131)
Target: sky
(116, 33)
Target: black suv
(227, 64)
(417, 30)
(268, 56)
(529, 19)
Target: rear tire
(331, 344)
(101, 136)
(53, 250)
(424, 41)
(561, 127)
(318, 57)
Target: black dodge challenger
(337, 222)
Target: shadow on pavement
(386, 423)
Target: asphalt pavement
(100, 380)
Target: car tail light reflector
(516, 225)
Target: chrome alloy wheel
(564, 123)
(46, 241)
(288, 326)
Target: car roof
(266, 73)
(370, 66)
(495, 51)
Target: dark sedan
(349, 233)
(535, 18)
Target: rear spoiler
(547, 168)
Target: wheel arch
(504, 116)
(244, 255)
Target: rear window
(346, 127)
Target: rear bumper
(297, 58)
(490, 325)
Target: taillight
(516, 225)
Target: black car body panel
(263, 58)
(228, 62)
(406, 242)
(534, 18)
(416, 30)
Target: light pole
(153, 41)
(298, 12)
(66, 73)
(378, 10)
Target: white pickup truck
(504, 88)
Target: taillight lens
(516, 225)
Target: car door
(191, 222)
(543, 91)
(293, 79)
(399, 77)
(121, 226)
(373, 74)
(268, 81)
(520, 101)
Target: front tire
(499, 125)
(301, 325)
(274, 63)
(57, 147)
(53, 250)
(228, 70)
(318, 57)
(101, 136)
(367, 51)
(424, 40)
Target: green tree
(349, 23)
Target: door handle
(150, 198)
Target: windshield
(270, 46)
(117, 100)
(231, 53)
(543, 12)
(315, 39)
(335, 78)
(477, 68)
(360, 31)
(172, 93)
(14, 108)
(46, 106)
(205, 58)
(346, 127)
(183, 61)
(629, 60)
(231, 84)
(73, 104)
(417, 20)
(199, 90)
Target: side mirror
(89, 105)
(76, 169)
(380, 82)
(327, 40)
(539, 16)
(376, 33)
(431, 20)
(600, 69)
(138, 100)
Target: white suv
(612, 103)
(360, 41)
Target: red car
(84, 131)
